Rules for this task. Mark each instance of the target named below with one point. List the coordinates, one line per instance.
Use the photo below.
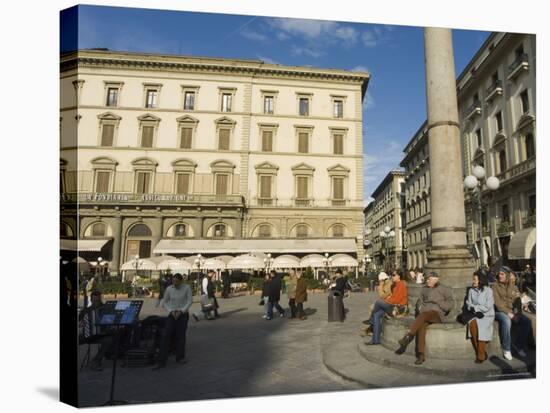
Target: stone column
(117, 242)
(449, 255)
(157, 232)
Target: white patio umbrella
(214, 264)
(83, 265)
(246, 261)
(224, 258)
(174, 265)
(286, 261)
(312, 260)
(344, 260)
(143, 264)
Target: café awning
(240, 246)
(246, 262)
(522, 245)
(82, 245)
(286, 261)
(344, 260)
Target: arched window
(99, 229)
(338, 231)
(65, 231)
(180, 230)
(139, 230)
(264, 231)
(301, 231)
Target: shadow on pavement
(51, 392)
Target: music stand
(118, 314)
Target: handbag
(262, 302)
(207, 303)
(465, 317)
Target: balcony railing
(473, 110)
(518, 170)
(339, 202)
(494, 90)
(267, 201)
(133, 198)
(303, 202)
(521, 63)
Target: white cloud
(347, 33)
(368, 101)
(304, 51)
(255, 36)
(360, 69)
(268, 60)
(310, 29)
(370, 39)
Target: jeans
(381, 305)
(292, 305)
(270, 306)
(377, 319)
(504, 330)
(176, 328)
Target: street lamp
(199, 263)
(475, 183)
(327, 261)
(384, 237)
(268, 261)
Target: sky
(395, 103)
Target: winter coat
(291, 287)
(504, 296)
(301, 291)
(265, 288)
(437, 298)
(275, 289)
(341, 285)
(482, 301)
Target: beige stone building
(386, 213)
(180, 155)
(417, 208)
(497, 107)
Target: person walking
(164, 283)
(177, 301)
(274, 295)
(291, 284)
(435, 302)
(265, 294)
(480, 302)
(341, 285)
(301, 295)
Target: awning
(313, 260)
(83, 245)
(239, 246)
(344, 260)
(522, 245)
(246, 261)
(286, 261)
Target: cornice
(91, 59)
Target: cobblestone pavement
(238, 355)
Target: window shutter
(223, 141)
(147, 136)
(265, 186)
(303, 142)
(107, 135)
(102, 181)
(267, 141)
(221, 184)
(302, 187)
(186, 135)
(338, 144)
(182, 183)
(338, 188)
(143, 179)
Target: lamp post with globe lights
(384, 239)
(268, 261)
(199, 263)
(327, 261)
(475, 184)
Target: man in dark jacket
(274, 295)
(435, 302)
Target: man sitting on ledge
(435, 302)
(398, 297)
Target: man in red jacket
(398, 296)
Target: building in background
(417, 217)
(386, 222)
(183, 155)
(368, 236)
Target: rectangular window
(221, 184)
(524, 101)
(267, 141)
(62, 188)
(505, 213)
(338, 188)
(302, 190)
(102, 181)
(479, 138)
(338, 144)
(303, 142)
(189, 101)
(147, 136)
(265, 186)
(143, 182)
(304, 107)
(226, 102)
(494, 77)
(502, 160)
(186, 137)
(107, 135)
(498, 118)
(484, 219)
(265, 231)
(338, 110)
(532, 204)
(112, 97)
(269, 104)
(151, 98)
(223, 139)
(519, 51)
(182, 183)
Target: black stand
(112, 401)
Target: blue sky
(394, 107)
